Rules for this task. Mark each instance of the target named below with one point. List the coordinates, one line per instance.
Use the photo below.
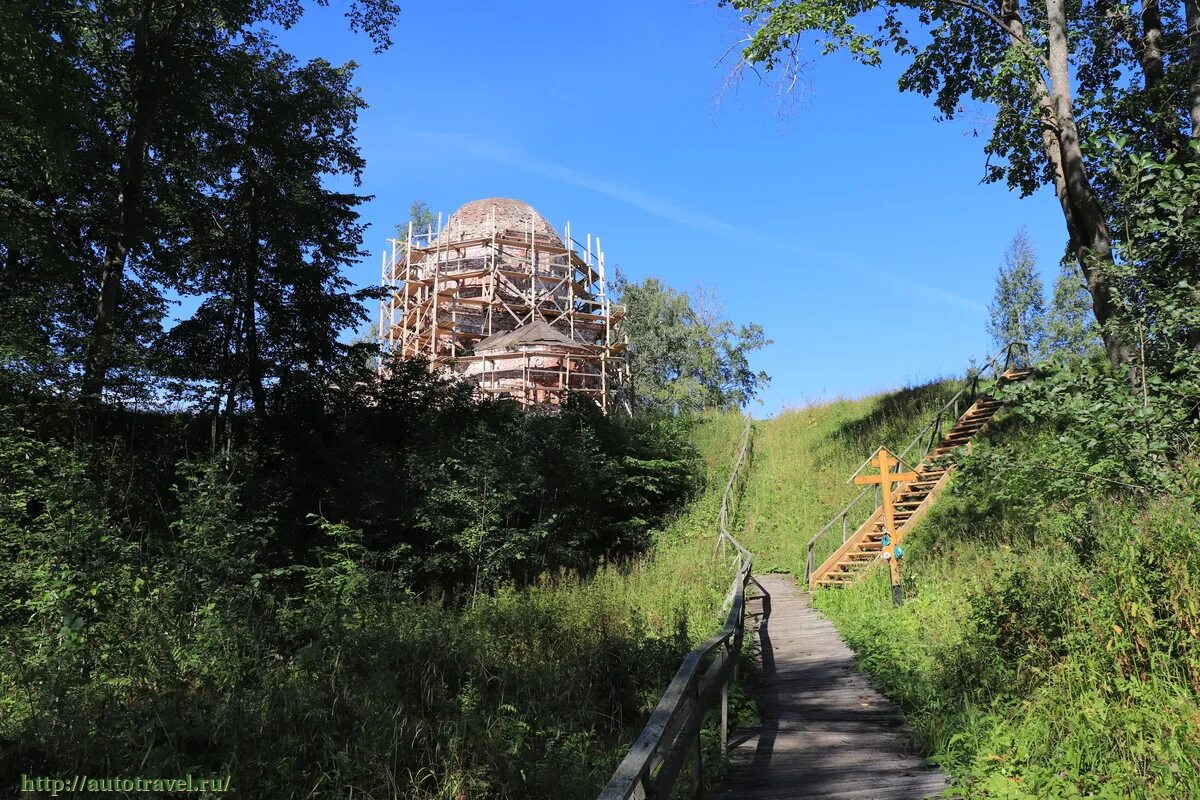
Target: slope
(1048, 645)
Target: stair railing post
(935, 433)
(808, 564)
(845, 527)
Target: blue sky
(845, 224)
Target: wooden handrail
(1010, 356)
(672, 734)
(723, 534)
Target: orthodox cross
(884, 460)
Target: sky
(843, 218)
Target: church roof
(535, 334)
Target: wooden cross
(885, 461)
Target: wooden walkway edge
(825, 732)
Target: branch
(1021, 40)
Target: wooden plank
(824, 732)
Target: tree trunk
(254, 371)
(1086, 229)
(1193, 29)
(1151, 55)
(146, 63)
(1085, 221)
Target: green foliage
(1069, 327)
(268, 242)
(1016, 313)
(1159, 286)
(174, 150)
(1084, 97)
(962, 53)
(1028, 672)
(1045, 646)
(686, 358)
(420, 217)
(307, 614)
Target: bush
(348, 597)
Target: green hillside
(803, 457)
(1048, 646)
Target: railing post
(845, 527)
(724, 718)
(808, 565)
(697, 769)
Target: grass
(532, 692)
(554, 681)
(1030, 672)
(1045, 649)
(804, 456)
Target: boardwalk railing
(671, 737)
(826, 540)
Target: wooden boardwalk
(824, 733)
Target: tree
(1056, 74)
(1068, 326)
(420, 217)
(1017, 308)
(138, 96)
(686, 359)
(268, 255)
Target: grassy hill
(803, 457)
(1049, 645)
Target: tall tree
(137, 93)
(1069, 330)
(269, 254)
(1055, 72)
(683, 358)
(1017, 309)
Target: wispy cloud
(536, 165)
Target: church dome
(473, 220)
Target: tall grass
(1030, 669)
(353, 687)
(1044, 649)
(803, 458)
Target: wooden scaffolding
(501, 300)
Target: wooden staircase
(913, 498)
